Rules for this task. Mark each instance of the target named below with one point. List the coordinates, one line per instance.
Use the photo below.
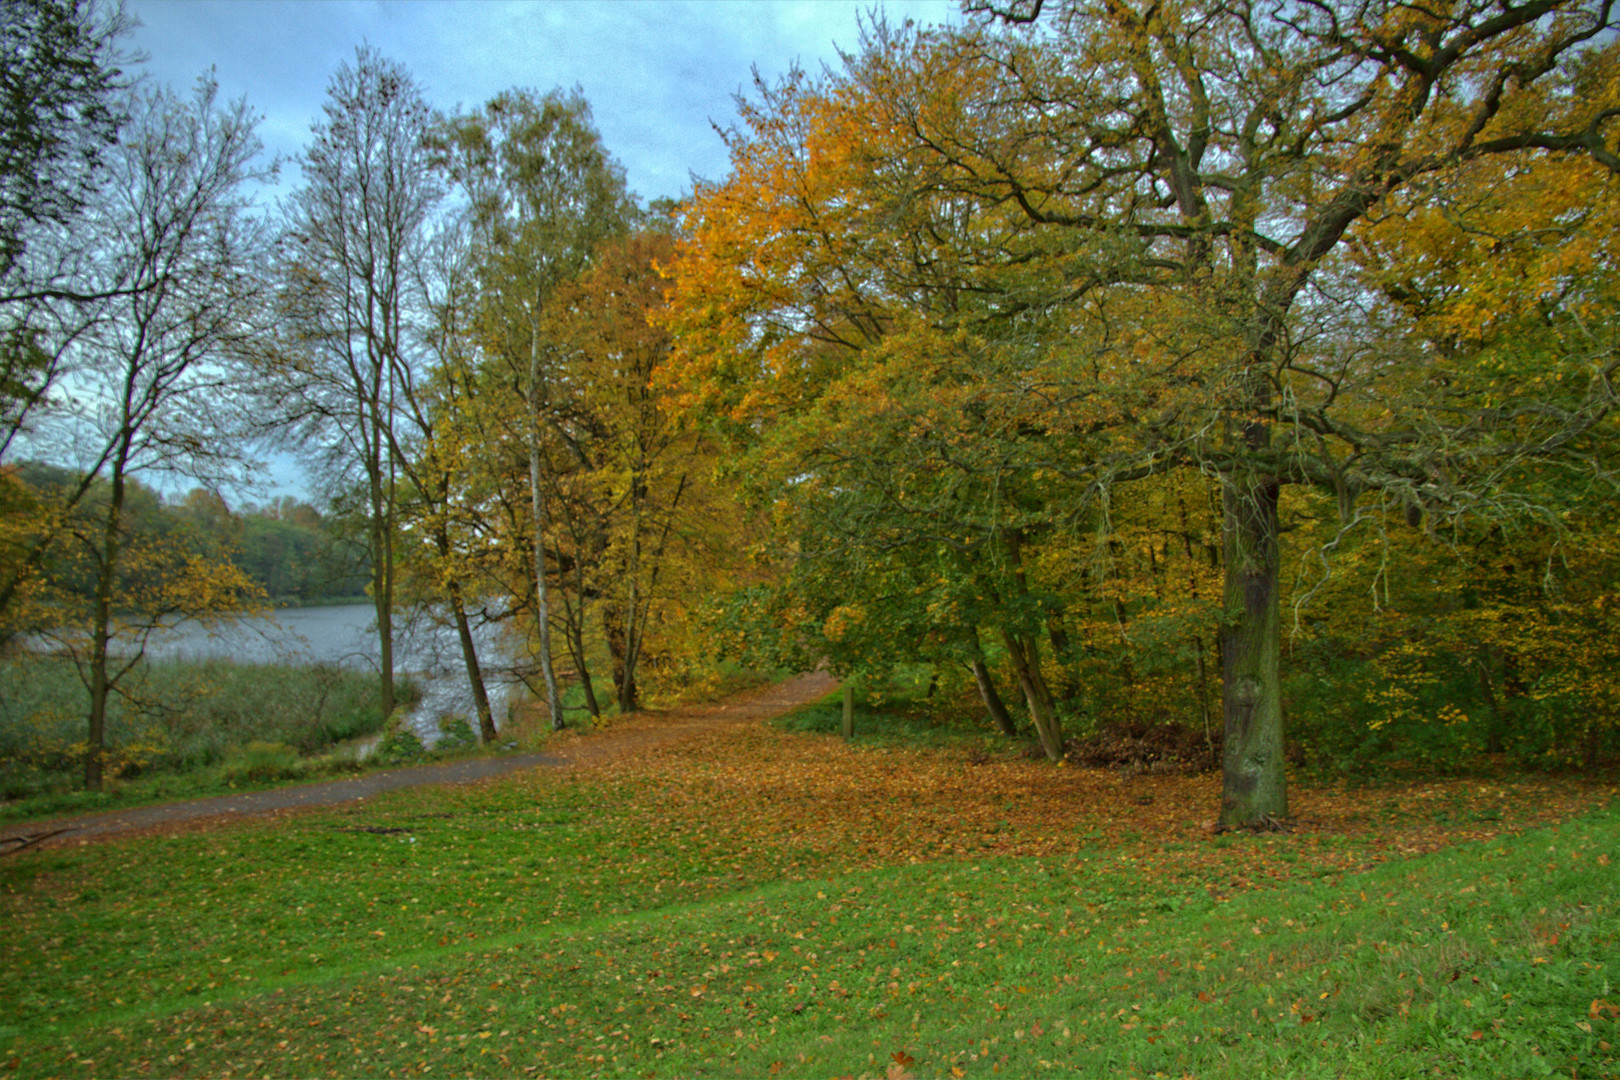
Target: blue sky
(656, 72)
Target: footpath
(625, 737)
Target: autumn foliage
(1190, 367)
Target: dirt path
(624, 738)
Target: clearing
(745, 901)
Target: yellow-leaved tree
(1138, 222)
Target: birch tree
(544, 193)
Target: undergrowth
(180, 728)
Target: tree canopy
(1139, 240)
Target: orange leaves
(760, 789)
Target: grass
(898, 711)
(768, 903)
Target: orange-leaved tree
(1145, 213)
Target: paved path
(624, 738)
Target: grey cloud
(656, 73)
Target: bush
(1141, 747)
(400, 744)
(455, 733)
(263, 761)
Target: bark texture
(1253, 790)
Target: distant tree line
(286, 548)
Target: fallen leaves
(849, 808)
(736, 811)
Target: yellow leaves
(842, 621)
(207, 586)
(1451, 716)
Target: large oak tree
(1144, 213)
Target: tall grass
(173, 716)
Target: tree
(1236, 155)
(543, 193)
(892, 393)
(153, 377)
(353, 233)
(638, 496)
(62, 102)
(60, 111)
(1147, 211)
(434, 411)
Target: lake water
(424, 649)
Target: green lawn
(721, 910)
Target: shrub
(455, 733)
(261, 761)
(400, 744)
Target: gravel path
(623, 738)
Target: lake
(345, 636)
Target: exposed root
(1265, 823)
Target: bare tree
(151, 379)
(353, 232)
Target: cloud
(657, 74)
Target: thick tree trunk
(1026, 661)
(1254, 788)
(992, 700)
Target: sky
(658, 73)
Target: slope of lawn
(770, 903)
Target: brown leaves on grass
(847, 807)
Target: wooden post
(849, 712)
